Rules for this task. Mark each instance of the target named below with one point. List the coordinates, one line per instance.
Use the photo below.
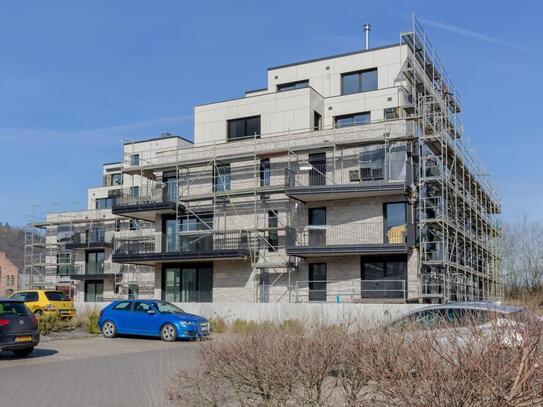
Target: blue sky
(77, 77)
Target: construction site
(302, 191)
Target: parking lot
(94, 371)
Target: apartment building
(9, 276)
(345, 179)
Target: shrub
(92, 323)
(217, 325)
(48, 323)
(329, 366)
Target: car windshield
(56, 296)
(13, 308)
(165, 307)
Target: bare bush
(496, 365)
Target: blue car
(151, 318)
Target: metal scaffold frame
(457, 204)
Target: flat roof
(308, 61)
(159, 138)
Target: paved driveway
(94, 372)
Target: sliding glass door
(188, 283)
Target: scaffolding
(457, 203)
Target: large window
(317, 231)
(104, 203)
(352, 119)
(384, 277)
(243, 128)
(395, 229)
(372, 163)
(135, 160)
(188, 283)
(273, 234)
(317, 282)
(265, 172)
(221, 178)
(293, 85)
(317, 174)
(94, 262)
(116, 179)
(64, 262)
(94, 291)
(360, 81)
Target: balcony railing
(349, 291)
(95, 270)
(191, 245)
(90, 238)
(346, 238)
(161, 193)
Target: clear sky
(76, 77)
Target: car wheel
(109, 329)
(38, 313)
(168, 333)
(22, 353)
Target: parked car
(151, 318)
(46, 302)
(18, 328)
(458, 319)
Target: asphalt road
(94, 372)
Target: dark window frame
(265, 172)
(352, 115)
(94, 252)
(219, 178)
(180, 266)
(96, 283)
(284, 87)
(385, 217)
(359, 74)
(310, 216)
(273, 235)
(135, 160)
(311, 282)
(245, 136)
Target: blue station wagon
(151, 318)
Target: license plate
(23, 339)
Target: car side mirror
(151, 312)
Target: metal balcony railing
(90, 238)
(185, 243)
(367, 174)
(346, 235)
(349, 291)
(160, 193)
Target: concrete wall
(306, 313)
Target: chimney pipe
(367, 29)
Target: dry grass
(338, 366)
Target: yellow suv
(48, 302)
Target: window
(133, 291)
(391, 113)
(94, 262)
(221, 178)
(122, 306)
(142, 307)
(317, 234)
(372, 162)
(360, 81)
(273, 234)
(13, 308)
(243, 128)
(134, 225)
(317, 121)
(56, 296)
(354, 119)
(265, 172)
(317, 173)
(64, 261)
(317, 282)
(188, 283)
(117, 225)
(384, 277)
(104, 203)
(293, 85)
(94, 291)
(26, 296)
(134, 192)
(116, 179)
(135, 160)
(395, 223)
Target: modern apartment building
(345, 179)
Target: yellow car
(46, 302)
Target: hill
(12, 242)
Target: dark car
(151, 318)
(18, 328)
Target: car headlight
(187, 323)
(50, 307)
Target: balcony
(98, 271)
(321, 182)
(204, 245)
(90, 239)
(145, 203)
(354, 238)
